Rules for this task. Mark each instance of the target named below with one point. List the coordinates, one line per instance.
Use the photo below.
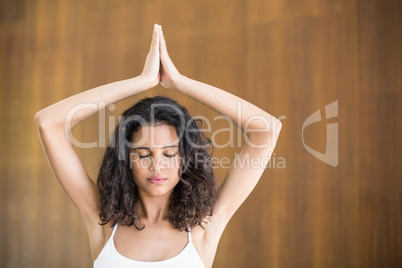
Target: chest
(149, 244)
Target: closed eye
(167, 155)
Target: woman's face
(155, 159)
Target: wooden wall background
(288, 57)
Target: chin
(158, 192)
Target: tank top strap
(114, 231)
(189, 235)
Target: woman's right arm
(53, 131)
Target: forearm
(251, 119)
(79, 107)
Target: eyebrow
(147, 148)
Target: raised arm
(260, 128)
(56, 121)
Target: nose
(153, 165)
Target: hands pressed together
(158, 65)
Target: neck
(153, 209)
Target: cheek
(174, 164)
(138, 169)
(139, 164)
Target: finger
(162, 41)
(155, 38)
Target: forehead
(155, 136)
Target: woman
(156, 204)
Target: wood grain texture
(291, 58)
(380, 214)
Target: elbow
(46, 121)
(266, 137)
(40, 120)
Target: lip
(157, 179)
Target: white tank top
(110, 257)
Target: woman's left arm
(260, 128)
(261, 133)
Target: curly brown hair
(193, 198)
